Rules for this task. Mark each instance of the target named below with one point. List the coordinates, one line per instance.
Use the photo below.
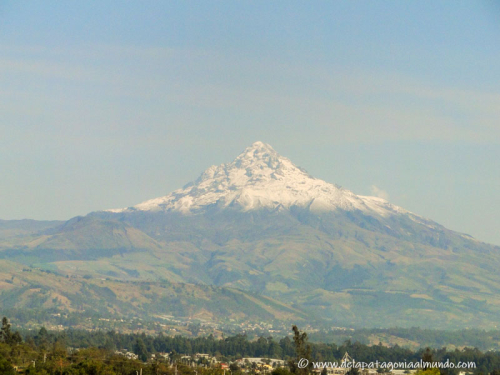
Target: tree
(140, 350)
(5, 333)
(16, 338)
(302, 364)
(234, 367)
(7, 336)
(42, 338)
(431, 371)
(427, 356)
(5, 367)
(280, 371)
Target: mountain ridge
(249, 225)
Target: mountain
(260, 178)
(263, 225)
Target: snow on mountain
(261, 178)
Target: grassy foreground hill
(30, 288)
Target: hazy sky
(106, 104)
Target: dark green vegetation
(83, 352)
(343, 268)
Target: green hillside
(30, 288)
(346, 268)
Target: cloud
(376, 191)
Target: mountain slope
(29, 288)
(263, 225)
(80, 238)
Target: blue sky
(105, 104)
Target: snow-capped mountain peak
(260, 178)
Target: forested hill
(241, 346)
(83, 352)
